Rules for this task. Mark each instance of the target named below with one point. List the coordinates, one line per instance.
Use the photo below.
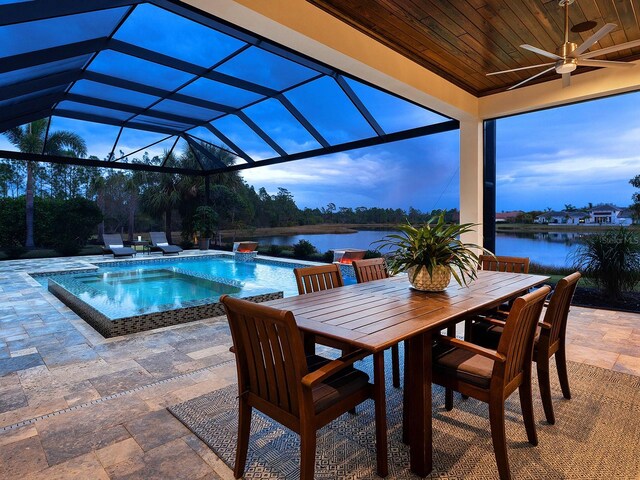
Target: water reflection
(547, 248)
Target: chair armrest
(334, 366)
(232, 349)
(471, 347)
(494, 321)
(544, 325)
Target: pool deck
(76, 405)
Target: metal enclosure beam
(43, 9)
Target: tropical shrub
(74, 220)
(12, 223)
(304, 249)
(611, 260)
(274, 250)
(204, 222)
(65, 225)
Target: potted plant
(204, 222)
(432, 253)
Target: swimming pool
(130, 296)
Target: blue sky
(571, 155)
(575, 154)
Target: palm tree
(97, 185)
(132, 187)
(30, 138)
(162, 194)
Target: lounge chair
(113, 244)
(159, 242)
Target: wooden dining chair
(317, 278)
(493, 375)
(376, 269)
(496, 263)
(549, 340)
(275, 377)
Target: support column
(489, 195)
(471, 177)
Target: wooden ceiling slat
(491, 14)
(381, 20)
(456, 42)
(462, 40)
(628, 21)
(536, 33)
(443, 18)
(478, 26)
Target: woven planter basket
(436, 283)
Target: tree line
(136, 201)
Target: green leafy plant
(304, 249)
(611, 260)
(430, 245)
(204, 222)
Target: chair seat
(467, 366)
(489, 335)
(336, 387)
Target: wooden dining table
(377, 315)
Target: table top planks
(381, 313)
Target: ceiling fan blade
(588, 43)
(566, 80)
(615, 48)
(539, 51)
(603, 63)
(531, 78)
(522, 68)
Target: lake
(547, 248)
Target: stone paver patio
(76, 405)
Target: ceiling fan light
(566, 66)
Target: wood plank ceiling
(463, 40)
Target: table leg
(421, 435)
(381, 414)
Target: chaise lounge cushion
(159, 242)
(113, 244)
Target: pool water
(139, 287)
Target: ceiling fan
(570, 56)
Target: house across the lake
(508, 217)
(604, 214)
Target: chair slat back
(112, 239)
(370, 269)
(558, 309)
(316, 278)
(269, 352)
(516, 342)
(158, 237)
(504, 264)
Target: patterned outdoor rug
(596, 435)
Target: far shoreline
(346, 228)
